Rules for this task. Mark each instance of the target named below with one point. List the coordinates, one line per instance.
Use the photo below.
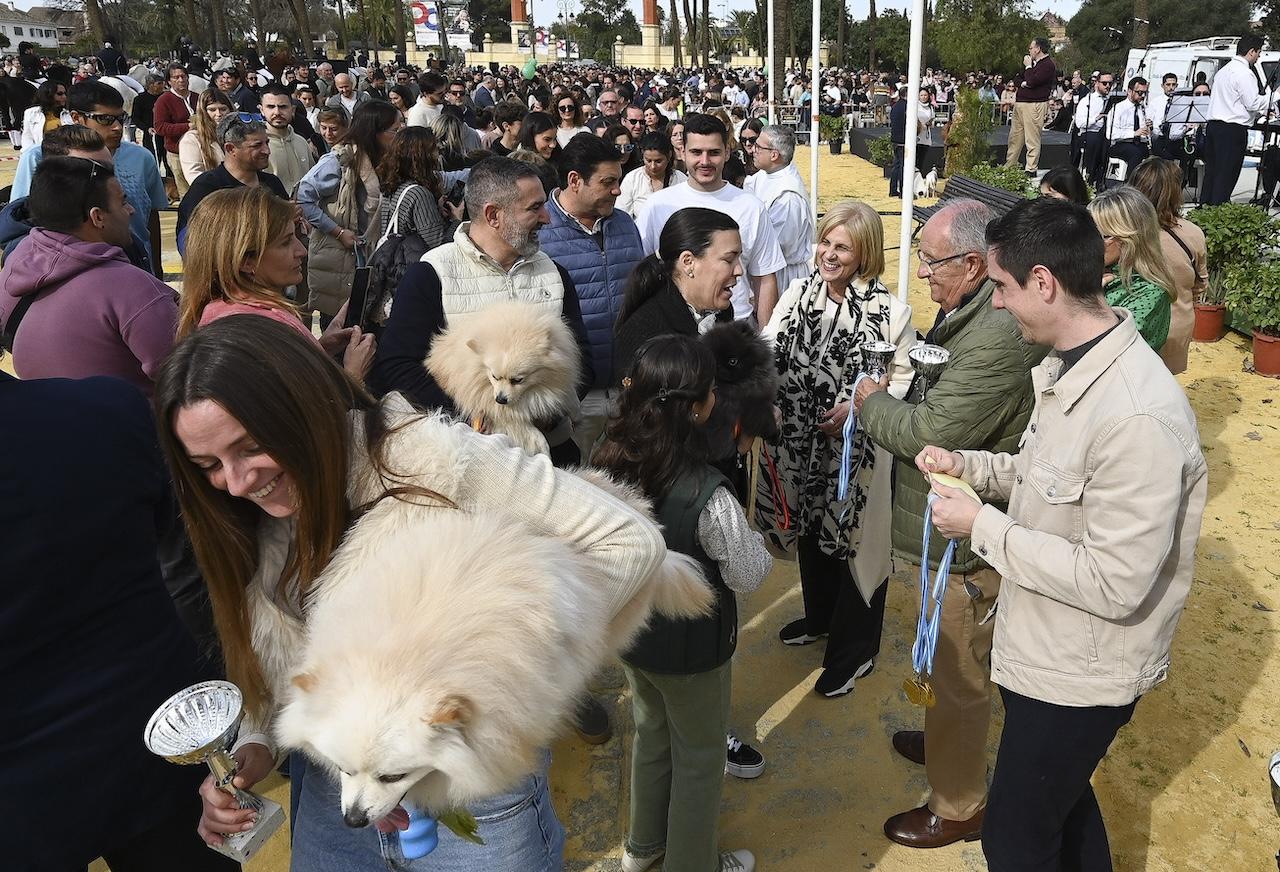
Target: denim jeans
(519, 828)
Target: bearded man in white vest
(778, 185)
(493, 257)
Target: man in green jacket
(982, 400)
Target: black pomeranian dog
(746, 387)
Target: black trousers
(169, 846)
(1042, 815)
(895, 171)
(833, 604)
(1132, 152)
(1094, 151)
(1224, 146)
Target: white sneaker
(632, 863)
(737, 861)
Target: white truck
(1187, 60)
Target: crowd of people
(333, 223)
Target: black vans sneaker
(742, 761)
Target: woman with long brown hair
(243, 251)
(1185, 252)
(340, 198)
(275, 452)
(198, 149)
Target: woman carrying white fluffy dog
(679, 670)
(274, 451)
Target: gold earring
(689, 273)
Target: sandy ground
(1185, 785)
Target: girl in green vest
(679, 671)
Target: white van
(1187, 60)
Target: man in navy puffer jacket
(598, 246)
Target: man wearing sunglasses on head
(100, 108)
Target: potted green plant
(831, 128)
(1006, 178)
(1210, 311)
(1253, 292)
(880, 150)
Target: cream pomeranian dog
(444, 650)
(508, 366)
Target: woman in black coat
(684, 287)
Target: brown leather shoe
(910, 744)
(921, 828)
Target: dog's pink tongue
(398, 819)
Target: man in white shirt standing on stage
(778, 185)
(706, 149)
(1239, 93)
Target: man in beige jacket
(291, 155)
(1097, 548)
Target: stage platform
(1055, 147)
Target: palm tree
(691, 28)
(745, 22)
(706, 32)
(871, 37)
(675, 35)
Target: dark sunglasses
(748, 140)
(458, 93)
(94, 166)
(1105, 81)
(566, 108)
(108, 119)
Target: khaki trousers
(179, 177)
(1028, 124)
(955, 729)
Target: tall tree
(259, 27)
(675, 35)
(840, 37)
(706, 33)
(406, 24)
(97, 26)
(984, 34)
(1095, 46)
(303, 21)
(871, 38)
(692, 32)
(220, 33)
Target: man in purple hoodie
(71, 303)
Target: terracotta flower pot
(1266, 354)
(1210, 322)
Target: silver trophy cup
(928, 361)
(875, 358)
(198, 725)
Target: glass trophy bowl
(875, 358)
(198, 725)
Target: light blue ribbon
(926, 643)
(846, 454)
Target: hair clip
(663, 393)
(626, 383)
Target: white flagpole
(773, 69)
(814, 105)
(909, 153)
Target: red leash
(775, 487)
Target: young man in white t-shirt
(706, 150)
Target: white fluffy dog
(508, 366)
(445, 649)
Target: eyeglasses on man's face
(931, 265)
(107, 119)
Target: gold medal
(919, 691)
(914, 689)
